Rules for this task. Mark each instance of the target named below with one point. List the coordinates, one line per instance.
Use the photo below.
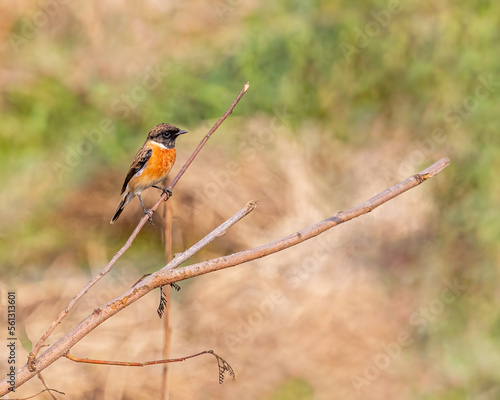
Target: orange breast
(157, 168)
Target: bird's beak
(181, 132)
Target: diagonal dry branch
(165, 276)
(168, 275)
(128, 243)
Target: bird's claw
(149, 213)
(168, 193)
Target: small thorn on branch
(141, 279)
(221, 233)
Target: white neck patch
(159, 144)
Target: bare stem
(132, 363)
(165, 295)
(222, 364)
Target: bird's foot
(164, 190)
(149, 213)
(168, 192)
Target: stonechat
(151, 165)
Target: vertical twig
(166, 295)
(47, 388)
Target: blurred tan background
(346, 99)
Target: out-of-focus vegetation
(346, 98)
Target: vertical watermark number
(11, 339)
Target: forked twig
(217, 232)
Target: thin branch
(132, 363)
(40, 392)
(128, 243)
(167, 275)
(47, 388)
(207, 136)
(222, 364)
(217, 232)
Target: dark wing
(140, 160)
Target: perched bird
(151, 165)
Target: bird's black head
(165, 134)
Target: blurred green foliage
(293, 389)
(414, 72)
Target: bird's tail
(126, 199)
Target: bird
(151, 165)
